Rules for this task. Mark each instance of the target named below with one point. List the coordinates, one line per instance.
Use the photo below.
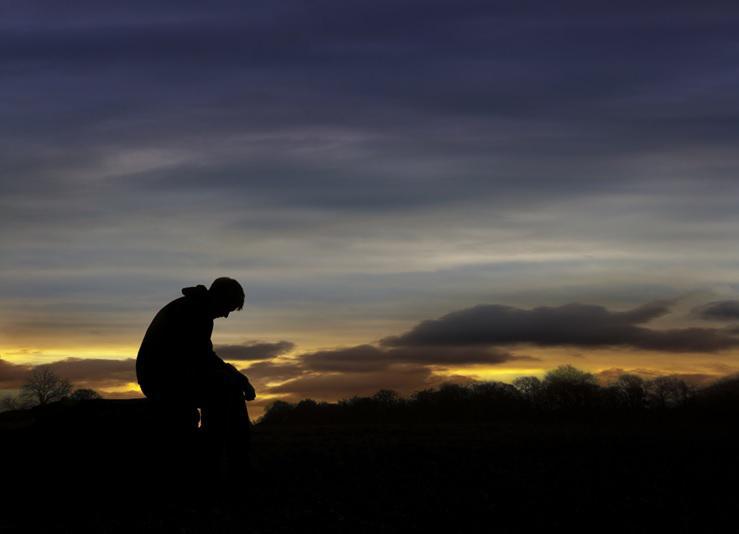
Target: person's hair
(229, 291)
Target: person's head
(226, 295)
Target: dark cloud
(131, 394)
(568, 325)
(267, 371)
(332, 386)
(95, 372)
(366, 358)
(454, 356)
(254, 350)
(361, 358)
(404, 378)
(369, 362)
(12, 375)
(81, 372)
(723, 310)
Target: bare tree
(44, 386)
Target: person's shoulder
(178, 307)
(192, 308)
(175, 304)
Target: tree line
(563, 391)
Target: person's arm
(209, 366)
(231, 375)
(240, 379)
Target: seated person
(185, 379)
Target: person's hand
(249, 393)
(236, 378)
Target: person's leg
(174, 425)
(226, 421)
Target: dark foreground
(653, 474)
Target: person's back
(176, 355)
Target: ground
(647, 475)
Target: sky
(411, 192)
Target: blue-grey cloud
(377, 107)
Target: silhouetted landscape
(562, 453)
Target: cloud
(254, 350)
(130, 394)
(569, 325)
(722, 310)
(332, 386)
(403, 378)
(363, 369)
(361, 358)
(369, 363)
(12, 375)
(365, 358)
(95, 372)
(92, 373)
(268, 371)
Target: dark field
(675, 472)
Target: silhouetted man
(180, 373)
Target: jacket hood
(199, 291)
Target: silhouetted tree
(278, 412)
(721, 397)
(531, 388)
(494, 399)
(11, 403)
(84, 394)
(565, 389)
(631, 391)
(667, 392)
(386, 397)
(569, 388)
(44, 386)
(388, 406)
(423, 396)
(452, 393)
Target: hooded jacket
(176, 359)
